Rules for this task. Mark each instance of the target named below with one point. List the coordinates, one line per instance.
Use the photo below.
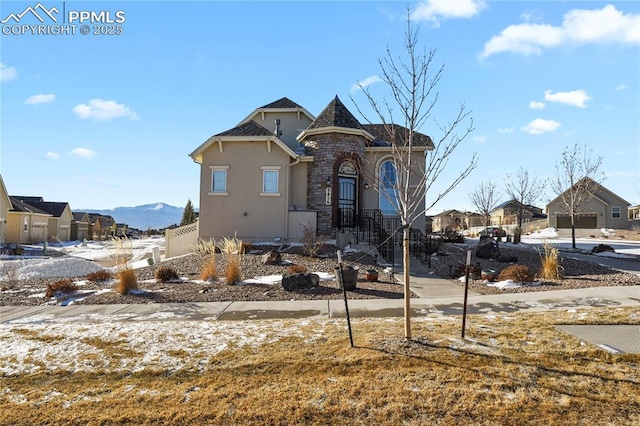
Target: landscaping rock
(293, 282)
(487, 248)
(271, 258)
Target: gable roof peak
(281, 103)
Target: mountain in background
(158, 215)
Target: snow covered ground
(623, 248)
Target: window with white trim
(615, 212)
(270, 178)
(218, 180)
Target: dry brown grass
(297, 269)
(206, 251)
(233, 273)
(549, 268)
(126, 281)
(513, 369)
(64, 286)
(517, 273)
(100, 276)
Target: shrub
(600, 248)
(100, 276)
(165, 274)
(233, 274)
(452, 236)
(474, 271)
(549, 270)
(230, 246)
(297, 269)
(312, 243)
(65, 286)
(517, 273)
(126, 281)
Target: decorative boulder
(487, 248)
(271, 258)
(293, 282)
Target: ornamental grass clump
(549, 269)
(232, 250)
(65, 286)
(205, 250)
(121, 255)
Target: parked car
(493, 231)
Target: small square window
(219, 181)
(270, 181)
(615, 212)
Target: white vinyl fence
(181, 240)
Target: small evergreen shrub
(601, 248)
(65, 286)
(100, 276)
(297, 269)
(165, 274)
(517, 273)
(452, 236)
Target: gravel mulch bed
(193, 289)
(576, 273)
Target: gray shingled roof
(281, 103)
(250, 128)
(53, 208)
(77, 216)
(20, 206)
(335, 115)
(382, 136)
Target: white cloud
(480, 139)
(606, 25)
(83, 153)
(507, 130)
(7, 73)
(577, 98)
(40, 99)
(536, 105)
(53, 156)
(540, 126)
(433, 11)
(364, 83)
(102, 110)
(622, 87)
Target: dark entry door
(347, 200)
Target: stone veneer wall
(328, 151)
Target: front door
(347, 200)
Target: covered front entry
(347, 201)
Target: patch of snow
(510, 284)
(61, 267)
(543, 234)
(608, 232)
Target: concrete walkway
(437, 296)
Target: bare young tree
(524, 190)
(577, 177)
(412, 87)
(485, 198)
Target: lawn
(515, 368)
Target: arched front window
(388, 191)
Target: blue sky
(103, 121)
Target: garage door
(584, 221)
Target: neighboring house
(282, 168)
(121, 229)
(5, 206)
(603, 210)
(101, 226)
(26, 224)
(634, 213)
(455, 219)
(507, 214)
(80, 226)
(59, 222)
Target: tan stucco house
(457, 220)
(80, 226)
(60, 216)
(604, 209)
(5, 206)
(507, 214)
(282, 168)
(26, 224)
